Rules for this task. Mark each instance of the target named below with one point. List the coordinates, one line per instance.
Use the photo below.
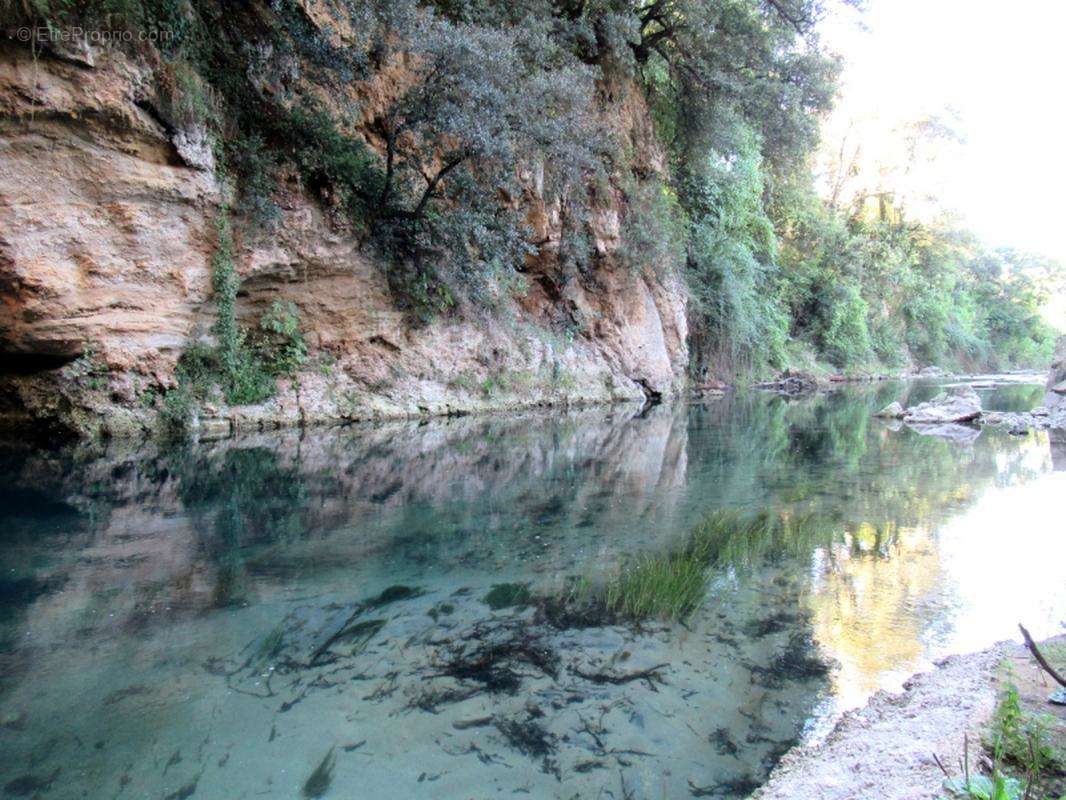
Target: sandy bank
(885, 750)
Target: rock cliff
(106, 239)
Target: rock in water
(962, 405)
(892, 411)
(791, 384)
(1055, 399)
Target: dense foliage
(422, 126)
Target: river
(356, 612)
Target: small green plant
(88, 370)
(661, 587)
(463, 382)
(981, 787)
(147, 396)
(282, 344)
(997, 786)
(1022, 737)
(562, 379)
(244, 366)
(496, 383)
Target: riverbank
(886, 749)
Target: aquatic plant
(668, 586)
(671, 585)
(271, 644)
(508, 595)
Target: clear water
(169, 618)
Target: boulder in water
(892, 411)
(791, 384)
(962, 405)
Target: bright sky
(1000, 67)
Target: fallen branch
(479, 722)
(1039, 656)
(650, 675)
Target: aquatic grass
(270, 645)
(670, 586)
(664, 587)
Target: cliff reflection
(98, 541)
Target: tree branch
(433, 182)
(790, 18)
(1039, 656)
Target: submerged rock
(952, 431)
(962, 405)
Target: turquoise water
(303, 614)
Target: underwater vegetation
(669, 586)
(508, 595)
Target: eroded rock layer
(106, 238)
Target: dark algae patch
(797, 662)
(29, 785)
(392, 595)
(319, 781)
(186, 791)
(508, 595)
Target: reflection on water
(304, 614)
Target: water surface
(312, 614)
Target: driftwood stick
(940, 764)
(1039, 656)
(605, 677)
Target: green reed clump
(671, 585)
(656, 587)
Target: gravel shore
(885, 750)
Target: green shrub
(845, 338)
(282, 347)
(243, 366)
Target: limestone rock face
(106, 236)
